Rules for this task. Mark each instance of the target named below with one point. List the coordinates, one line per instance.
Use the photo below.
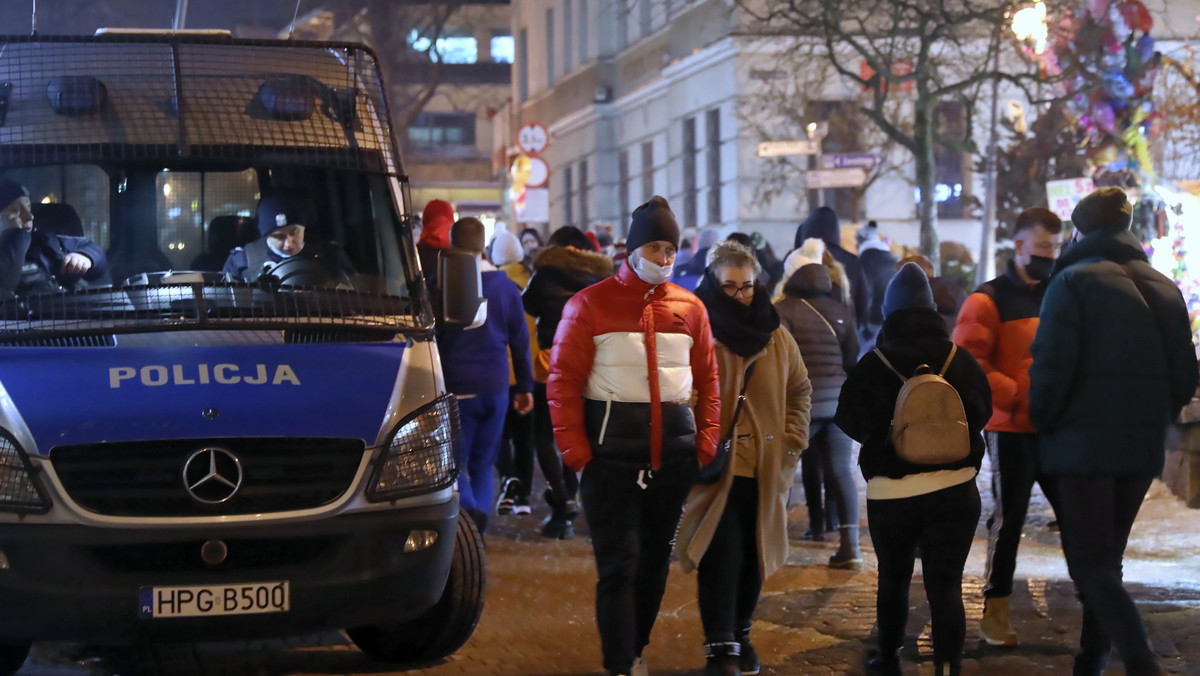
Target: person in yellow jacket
(734, 526)
(515, 462)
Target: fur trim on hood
(562, 257)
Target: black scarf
(744, 329)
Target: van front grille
(147, 478)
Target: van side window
(83, 186)
(188, 201)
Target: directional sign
(836, 178)
(780, 148)
(866, 161)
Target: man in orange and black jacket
(997, 325)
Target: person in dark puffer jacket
(562, 269)
(825, 331)
(931, 507)
(630, 357)
(1113, 365)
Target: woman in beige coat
(734, 528)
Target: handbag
(712, 472)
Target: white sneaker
(639, 668)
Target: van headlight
(19, 489)
(422, 456)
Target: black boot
(749, 658)
(882, 665)
(559, 524)
(721, 658)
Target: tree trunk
(927, 183)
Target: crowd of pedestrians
(678, 421)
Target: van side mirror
(459, 300)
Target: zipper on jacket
(604, 425)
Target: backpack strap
(946, 366)
(889, 365)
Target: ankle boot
(848, 556)
(996, 626)
(721, 658)
(748, 661)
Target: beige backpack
(929, 424)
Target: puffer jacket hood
(586, 263)
(822, 224)
(559, 273)
(809, 281)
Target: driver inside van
(282, 221)
(35, 261)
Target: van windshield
(178, 247)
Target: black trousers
(943, 524)
(517, 449)
(633, 515)
(833, 452)
(1015, 468)
(1095, 516)
(562, 481)
(729, 578)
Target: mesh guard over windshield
(121, 97)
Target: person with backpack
(918, 405)
(1113, 365)
(734, 526)
(997, 324)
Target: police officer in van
(282, 221)
(33, 261)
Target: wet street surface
(538, 618)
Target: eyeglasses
(745, 290)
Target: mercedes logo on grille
(212, 475)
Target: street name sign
(836, 178)
(781, 148)
(851, 161)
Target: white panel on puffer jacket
(619, 368)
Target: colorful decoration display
(1105, 50)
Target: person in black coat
(1113, 364)
(825, 331)
(878, 264)
(823, 224)
(560, 270)
(931, 507)
(34, 261)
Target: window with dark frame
(845, 132)
(647, 171)
(568, 213)
(568, 35)
(442, 130)
(549, 47)
(583, 194)
(644, 21)
(689, 172)
(583, 31)
(712, 129)
(623, 184)
(953, 184)
(523, 64)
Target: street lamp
(1028, 25)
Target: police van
(190, 453)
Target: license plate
(214, 600)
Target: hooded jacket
(628, 360)
(997, 324)
(436, 221)
(909, 338)
(30, 261)
(1113, 361)
(825, 331)
(558, 273)
(823, 224)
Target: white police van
(190, 455)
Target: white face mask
(652, 273)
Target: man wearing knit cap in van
(283, 220)
(33, 261)
(628, 355)
(1113, 365)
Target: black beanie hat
(1105, 209)
(652, 222)
(9, 191)
(908, 289)
(280, 209)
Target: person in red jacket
(631, 355)
(996, 325)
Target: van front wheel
(12, 656)
(446, 626)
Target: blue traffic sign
(851, 161)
